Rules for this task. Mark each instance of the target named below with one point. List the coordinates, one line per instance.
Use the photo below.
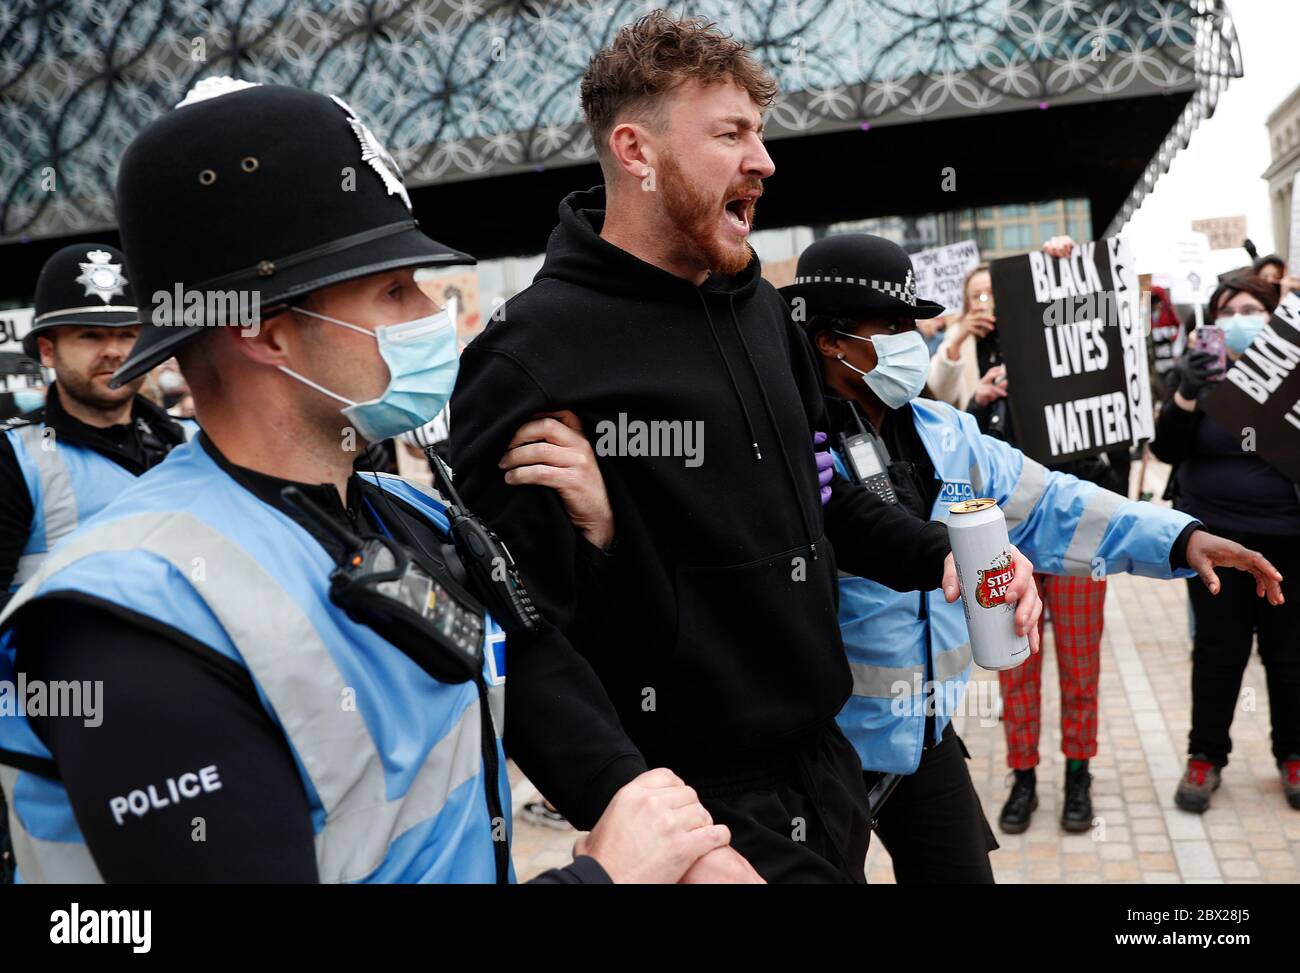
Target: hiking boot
(1200, 780)
(1076, 813)
(1022, 803)
(1290, 768)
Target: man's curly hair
(650, 58)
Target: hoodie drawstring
(749, 422)
(776, 428)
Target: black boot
(1022, 803)
(1076, 814)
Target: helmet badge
(100, 277)
(374, 153)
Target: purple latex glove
(825, 466)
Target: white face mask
(902, 366)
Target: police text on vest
(172, 791)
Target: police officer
(61, 464)
(264, 723)
(64, 461)
(861, 307)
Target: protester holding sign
(954, 372)
(1217, 439)
(1072, 397)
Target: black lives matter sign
(1075, 351)
(1260, 394)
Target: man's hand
(550, 451)
(1021, 592)
(1206, 551)
(992, 386)
(653, 831)
(722, 866)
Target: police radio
(486, 560)
(868, 460)
(380, 585)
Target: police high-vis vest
(391, 760)
(905, 648)
(68, 484)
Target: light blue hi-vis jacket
(396, 783)
(897, 642)
(68, 484)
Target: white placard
(940, 272)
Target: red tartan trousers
(1076, 608)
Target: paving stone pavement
(1249, 834)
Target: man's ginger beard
(80, 387)
(696, 218)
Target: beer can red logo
(991, 582)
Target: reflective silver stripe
(976, 480)
(40, 861)
(306, 690)
(1089, 531)
(357, 835)
(882, 682)
(950, 663)
(28, 565)
(497, 707)
(1030, 486)
(58, 502)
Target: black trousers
(799, 814)
(933, 825)
(1226, 624)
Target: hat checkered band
(905, 292)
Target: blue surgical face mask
(902, 366)
(25, 400)
(422, 366)
(1239, 330)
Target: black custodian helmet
(266, 191)
(857, 276)
(81, 284)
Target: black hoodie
(715, 633)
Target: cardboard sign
(1259, 396)
(1224, 232)
(1070, 333)
(941, 271)
(460, 286)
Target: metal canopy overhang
(884, 96)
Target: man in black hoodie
(713, 624)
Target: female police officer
(910, 653)
(261, 726)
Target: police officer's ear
(827, 342)
(269, 342)
(45, 346)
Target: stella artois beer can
(978, 534)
